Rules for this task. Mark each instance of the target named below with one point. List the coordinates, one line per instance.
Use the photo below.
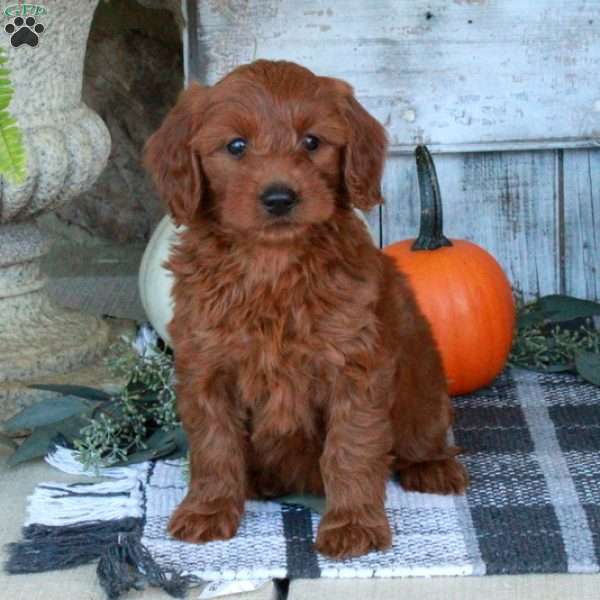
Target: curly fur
(303, 363)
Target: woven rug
(532, 450)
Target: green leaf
(150, 454)
(177, 435)
(8, 442)
(45, 412)
(35, 446)
(39, 442)
(588, 366)
(566, 308)
(527, 318)
(159, 439)
(181, 441)
(149, 396)
(316, 503)
(71, 428)
(113, 409)
(81, 391)
(137, 387)
(12, 149)
(159, 445)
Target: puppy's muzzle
(279, 200)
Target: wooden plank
(505, 202)
(458, 75)
(192, 62)
(582, 223)
(500, 146)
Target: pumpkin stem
(431, 234)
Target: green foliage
(42, 438)
(588, 366)
(35, 446)
(139, 423)
(12, 150)
(555, 334)
(7, 441)
(44, 413)
(79, 391)
(556, 309)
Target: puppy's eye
(237, 147)
(311, 142)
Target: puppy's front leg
(355, 466)
(214, 503)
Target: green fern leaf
(12, 150)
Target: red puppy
(303, 362)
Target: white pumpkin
(155, 282)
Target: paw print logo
(24, 31)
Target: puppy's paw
(435, 477)
(343, 534)
(197, 521)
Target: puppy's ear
(172, 162)
(364, 155)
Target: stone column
(67, 147)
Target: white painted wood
(187, 9)
(505, 202)
(456, 74)
(582, 223)
(523, 75)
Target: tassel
(128, 565)
(70, 525)
(51, 548)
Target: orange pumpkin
(460, 288)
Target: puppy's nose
(279, 200)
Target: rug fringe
(70, 524)
(52, 548)
(129, 565)
(67, 460)
(60, 505)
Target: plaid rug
(532, 450)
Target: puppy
(303, 363)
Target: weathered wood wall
(506, 93)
